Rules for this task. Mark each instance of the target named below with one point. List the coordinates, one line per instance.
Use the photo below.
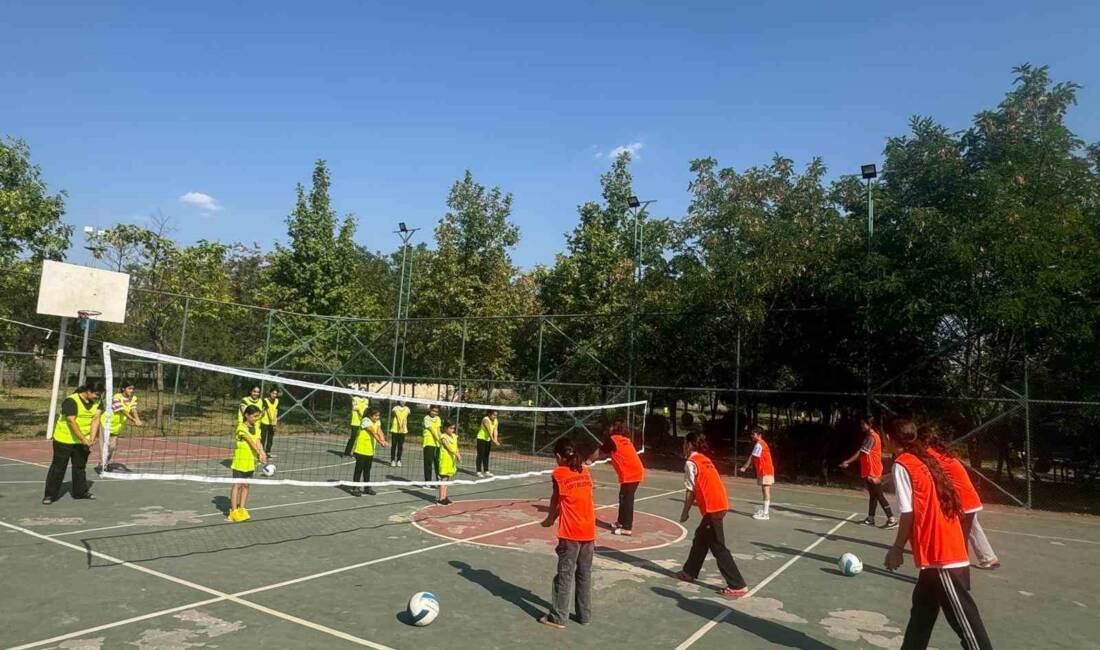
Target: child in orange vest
(628, 467)
(931, 513)
(705, 489)
(761, 459)
(870, 470)
(573, 506)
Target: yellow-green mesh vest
(487, 434)
(447, 465)
(244, 457)
(431, 430)
(359, 406)
(400, 421)
(84, 417)
(118, 418)
(364, 442)
(271, 407)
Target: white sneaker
(760, 515)
(480, 475)
(393, 463)
(399, 463)
(488, 474)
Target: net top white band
(286, 381)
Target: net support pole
(461, 372)
(59, 360)
(176, 381)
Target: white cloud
(204, 202)
(633, 148)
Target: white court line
(25, 462)
(1061, 539)
(417, 551)
(221, 595)
(760, 585)
(15, 464)
(237, 596)
(39, 481)
(107, 626)
(213, 514)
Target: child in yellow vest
(399, 428)
(449, 458)
(245, 453)
(364, 451)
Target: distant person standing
(359, 406)
(870, 470)
(73, 436)
(269, 419)
(486, 438)
(399, 428)
(761, 460)
(431, 432)
(365, 444)
(124, 412)
(251, 399)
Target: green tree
(470, 273)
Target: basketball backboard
(66, 289)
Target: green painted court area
(153, 564)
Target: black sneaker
(891, 524)
(370, 491)
(870, 521)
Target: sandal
(545, 620)
(680, 575)
(47, 501)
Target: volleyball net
(171, 418)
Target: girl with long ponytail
(573, 505)
(968, 495)
(931, 513)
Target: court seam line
(208, 590)
(721, 616)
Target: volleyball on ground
(423, 608)
(850, 565)
(268, 470)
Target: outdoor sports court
(153, 564)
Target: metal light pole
(869, 173)
(638, 209)
(405, 234)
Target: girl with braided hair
(931, 514)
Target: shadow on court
(808, 513)
(831, 561)
(522, 598)
(854, 540)
(635, 561)
(770, 631)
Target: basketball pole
(57, 376)
(84, 351)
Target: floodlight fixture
(401, 226)
(868, 171)
(633, 202)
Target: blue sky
(130, 107)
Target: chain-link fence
(805, 375)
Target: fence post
(1027, 423)
(538, 390)
(737, 397)
(176, 383)
(461, 371)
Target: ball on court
(423, 608)
(849, 564)
(268, 470)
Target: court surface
(153, 565)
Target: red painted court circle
(517, 524)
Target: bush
(32, 373)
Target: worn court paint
(856, 625)
(202, 626)
(31, 522)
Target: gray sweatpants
(573, 581)
(983, 551)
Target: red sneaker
(730, 592)
(680, 575)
